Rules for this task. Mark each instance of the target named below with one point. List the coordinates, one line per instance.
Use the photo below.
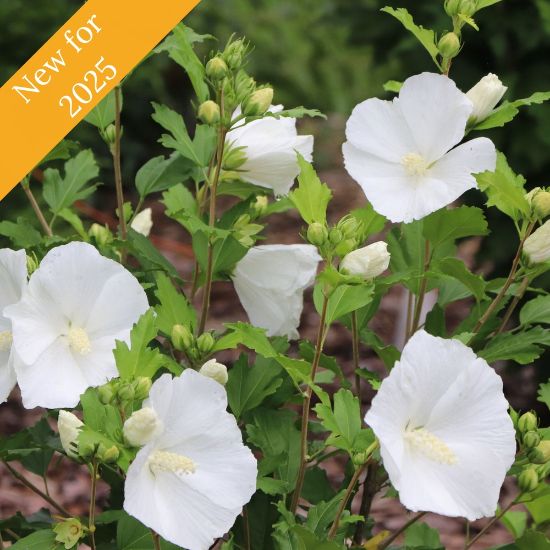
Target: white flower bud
(143, 426)
(367, 262)
(216, 371)
(69, 425)
(485, 96)
(143, 222)
(537, 246)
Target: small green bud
(317, 234)
(452, 7)
(528, 479)
(242, 221)
(360, 458)
(335, 236)
(467, 7)
(32, 264)
(110, 455)
(345, 247)
(531, 439)
(348, 227)
(209, 112)
(244, 86)
(142, 386)
(86, 450)
(101, 234)
(258, 103)
(259, 206)
(181, 337)
(234, 158)
(527, 422)
(216, 69)
(126, 392)
(106, 393)
(109, 134)
(68, 532)
(234, 54)
(540, 454)
(449, 45)
(205, 343)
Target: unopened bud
(101, 234)
(142, 386)
(485, 96)
(234, 158)
(216, 69)
(449, 45)
(335, 236)
(216, 371)
(452, 7)
(234, 54)
(528, 479)
(540, 454)
(32, 264)
(209, 112)
(242, 221)
(143, 222)
(205, 343)
(126, 392)
(258, 103)
(317, 234)
(143, 426)
(467, 7)
(348, 226)
(541, 203)
(259, 206)
(110, 455)
(86, 450)
(106, 393)
(537, 245)
(367, 262)
(69, 427)
(531, 439)
(527, 422)
(244, 86)
(181, 337)
(360, 458)
(345, 247)
(109, 134)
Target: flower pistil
(163, 461)
(430, 446)
(415, 164)
(79, 340)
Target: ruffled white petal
(270, 281)
(441, 386)
(192, 509)
(8, 378)
(436, 112)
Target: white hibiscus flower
(445, 435)
(77, 303)
(13, 279)
(270, 147)
(401, 151)
(270, 281)
(190, 482)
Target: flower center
(415, 164)
(162, 461)
(79, 340)
(6, 338)
(430, 446)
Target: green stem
(35, 489)
(117, 166)
(345, 501)
(508, 283)
(37, 210)
(321, 335)
(491, 523)
(156, 540)
(212, 220)
(514, 304)
(390, 539)
(422, 290)
(91, 514)
(355, 352)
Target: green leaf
(41, 540)
(520, 347)
(61, 192)
(173, 308)
(296, 112)
(505, 190)
(515, 522)
(536, 311)
(344, 299)
(133, 535)
(455, 268)
(388, 353)
(421, 535)
(178, 139)
(425, 36)
(481, 4)
(227, 251)
(531, 540)
(179, 46)
(138, 359)
(393, 86)
(160, 173)
(449, 225)
(253, 338)
(371, 221)
(248, 386)
(62, 151)
(311, 197)
(75, 222)
(508, 111)
(22, 234)
(321, 516)
(104, 114)
(308, 541)
(544, 394)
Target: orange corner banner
(73, 72)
